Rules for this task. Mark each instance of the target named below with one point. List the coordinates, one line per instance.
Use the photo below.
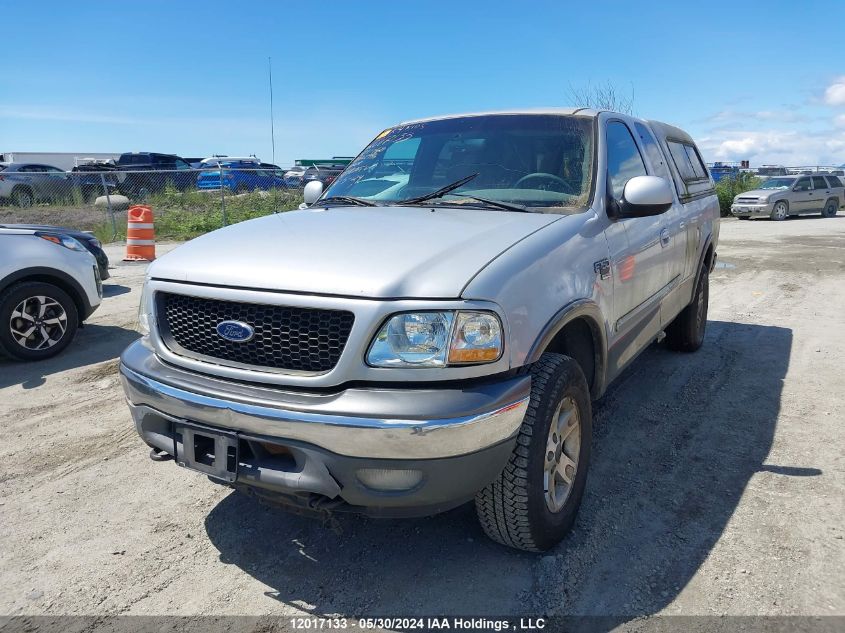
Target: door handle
(664, 237)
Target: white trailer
(62, 160)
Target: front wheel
(780, 211)
(532, 504)
(37, 320)
(830, 208)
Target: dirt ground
(717, 482)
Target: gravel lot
(717, 482)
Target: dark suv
(149, 172)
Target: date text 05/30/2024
(420, 623)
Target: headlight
(762, 201)
(143, 311)
(435, 339)
(62, 240)
(477, 338)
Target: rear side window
(623, 158)
(653, 152)
(687, 161)
(834, 181)
(819, 182)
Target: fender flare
(585, 309)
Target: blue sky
(759, 81)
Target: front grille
(747, 200)
(286, 338)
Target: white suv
(49, 284)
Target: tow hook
(158, 455)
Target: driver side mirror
(645, 196)
(313, 190)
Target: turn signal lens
(477, 338)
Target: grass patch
(183, 215)
(728, 188)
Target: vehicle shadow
(114, 290)
(676, 441)
(93, 344)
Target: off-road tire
(12, 296)
(513, 509)
(830, 208)
(686, 332)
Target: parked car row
(139, 174)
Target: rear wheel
(22, 197)
(781, 211)
(686, 332)
(37, 320)
(533, 503)
(830, 208)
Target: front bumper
(752, 210)
(310, 448)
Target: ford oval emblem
(235, 331)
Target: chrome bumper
(751, 210)
(374, 423)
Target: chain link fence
(185, 202)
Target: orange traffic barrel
(140, 236)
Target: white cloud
(835, 93)
(776, 146)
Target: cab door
(801, 198)
(676, 222)
(643, 268)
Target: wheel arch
(577, 331)
(52, 276)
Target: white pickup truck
(433, 327)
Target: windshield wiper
(358, 202)
(440, 192)
(507, 206)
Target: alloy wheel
(562, 448)
(38, 323)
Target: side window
(687, 161)
(53, 170)
(834, 181)
(181, 164)
(819, 182)
(695, 160)
(623, 158)
(652, 150)
(682, 162)
(803, 184)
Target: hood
(760, 193)
(49, 229)
(379, 252)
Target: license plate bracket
(207, 450)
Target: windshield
(533, 160)
(777, 183)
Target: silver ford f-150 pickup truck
(433, 327)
